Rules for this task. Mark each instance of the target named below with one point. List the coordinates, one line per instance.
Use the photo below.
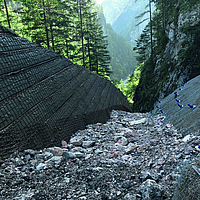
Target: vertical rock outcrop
(177, 63)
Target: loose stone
(129, 157)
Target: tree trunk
(151, 32)
(52, 38)
(7, 14)
(82, 34)
(45, 23)
(97, 66)
(88, 44)
(67, 48)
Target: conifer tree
(68, 27)
(150, 22)
(7, 14)
(99, 55)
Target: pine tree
(150, 22)
(100, 58)
(68, 27)
(34, 19)
(7, 14)
(143, 46)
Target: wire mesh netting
(188, 184)
(45, 97)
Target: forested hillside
(70, 28)
(170, 49)
(123, 59)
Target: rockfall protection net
(182, 107)
(44, 97)
(188, 184)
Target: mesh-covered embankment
(182, 107)
(44, 97)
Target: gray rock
(98, 151)
(126, 184)
(187, 157)
(131, 149)
(118, 193)
(123, 141)
(78, 155)
(19, 162)
(151, 190)
(130, 197)
(179, 156)
(58, 151)
(149, 175)
(186, 138)
(87, 144)
(41, 166)
(30, 151)
(154, 142)
(140, 121)
(76, 141)
(187, 152)
(39, 156)
(47, 155)
(68, 155)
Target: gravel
(132, 156)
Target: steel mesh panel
(188, 184)
(44, 97)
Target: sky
(99, 1)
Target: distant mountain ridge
(112, 9)
(123, 21)
(123, 61)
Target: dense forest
(70, 28)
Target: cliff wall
(177, 62)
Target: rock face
(45, 97)
(177, 62)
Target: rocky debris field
(132, 156)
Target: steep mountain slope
(175, 61)
(123, 60)
(125, 24)
(112, 9)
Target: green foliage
(143, 46)
(70, 28)
(189, 55)
(128, 86)
(9, 15)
